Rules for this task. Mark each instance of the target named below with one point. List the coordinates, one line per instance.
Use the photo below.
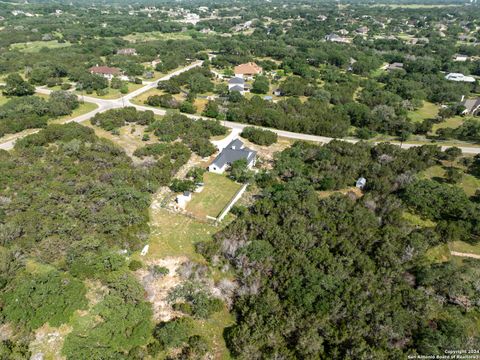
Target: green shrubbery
(259, 136)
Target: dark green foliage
(16, 86)
(173, 334)
(457, 216)
(135, 265)
(195, 134)
(239, 171)
(339, 164)
(259, 136)
(115, 326)
(113, 119)
(260, 85)
(166, 101)
(211, 109)
(188, 108)
(202, 305)
(312, 117)
(32, 300)
(178, 185)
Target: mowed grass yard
(218, 191)
(112, 93)
(427, 111)
(36, 46)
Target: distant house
(234, 151)
(105, 71)
(247, 70)
(362, 30)
(278, 92)
(460, 58)
(472, 106)
(361, 182)
(460, 77)
(127, 51)
(337, 38)
(395, 66)
(236, 84)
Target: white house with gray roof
(472, 106)
(234, 151)
(236, 84)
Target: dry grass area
(49, 342)
(129, 138)
(350, 190)
(266, 153)
(158, 288)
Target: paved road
(104, 105)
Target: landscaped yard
(218, 191)
(140, 99)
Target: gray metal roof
(234, 152)
(237, 88)
(236, 80)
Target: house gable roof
(236, 80)
(105, 70)
(248, 68)
(233, 152)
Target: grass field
(469, 183)
(218, 191)
(36, 46)
(112, 93)
(449, 123)
(155, 35)
(461, 246)
(140, 99)
(175, 235)
(3, 99)
(427, 111)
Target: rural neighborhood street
(104, 105)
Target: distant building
(234, 151)
(460, 58)
(472, 106)
(337, 38)
(127, 51)
(361, 182)
(460, 77)
(105, 71)
(395, 66)
(183, 199)
(236, 84)
(247, 70)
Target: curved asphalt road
(104, 105)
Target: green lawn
(3, 99)
(112, 93)
(469, 183)
(218, 191)
(449, 123)
(36, 46)
(461, 246)
(427, 111)
(175, 235)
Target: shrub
(259, 136)
(135, 265)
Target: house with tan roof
(247, 70)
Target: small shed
(361, 182)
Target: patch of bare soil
(157, 288)
(266, 153)
(48, 342)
